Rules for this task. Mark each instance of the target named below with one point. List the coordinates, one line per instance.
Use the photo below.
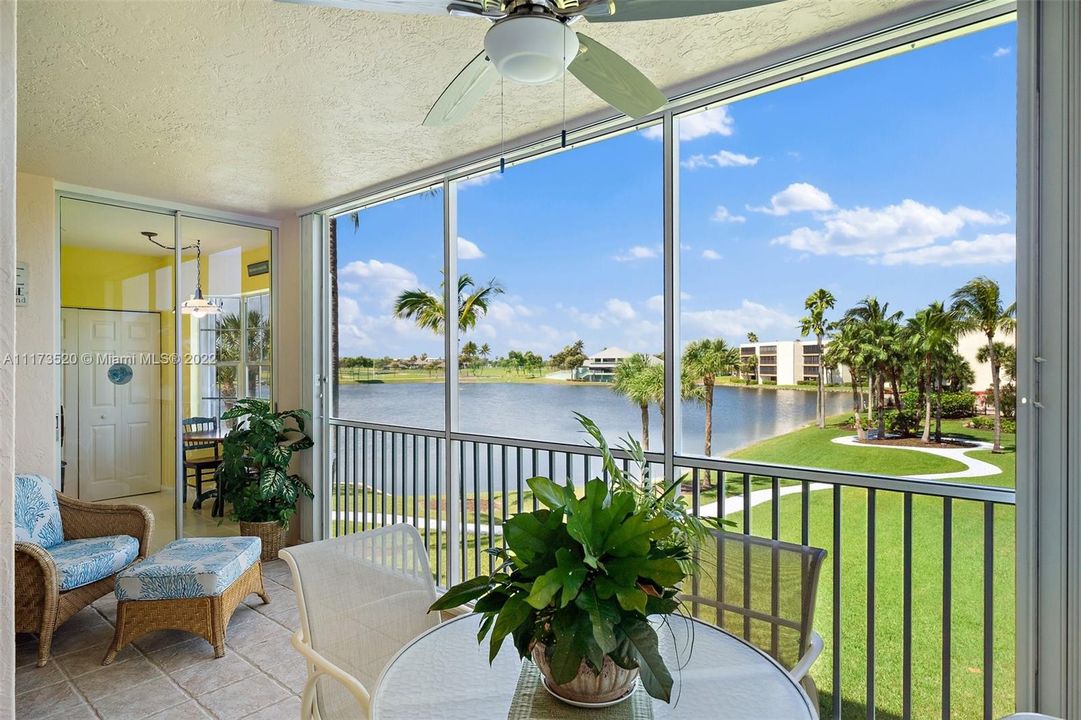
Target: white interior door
(119, 415)
(69, 435)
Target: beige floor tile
(30, 677)
(291, 673)
(82, 712)
(140, 701)
(279, 572)
(255, 632)
(182, 655)
(89, 660)
(117, 677)
(162, 639)
(242, 698)
(288, 709)
(55, 699)
(271, 651)
(86, 629)
(204, 677)
(26, 653)
(186, 711)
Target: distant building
(969, 344)
(789, 362)
(601, 367)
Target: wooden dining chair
(361, 599)
(201, 456)
(763, 591)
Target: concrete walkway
(973, 468)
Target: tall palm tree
(636, 378)
(979, 307)
(428, 311)
(845, 349)
(878, 330)
(703, 361)
(752, 337)
(931, 336)
(814, 323)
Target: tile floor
(169, 675)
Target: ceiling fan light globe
(531, 49)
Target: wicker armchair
(40, 604)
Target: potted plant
(581, 577)
(254, 472)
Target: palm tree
(427, 310)
(844, 349)
(979, 307)
(703, 361)
(752, 337)
(816, 304)
(931, 335)
(878, 331)
(636, 378)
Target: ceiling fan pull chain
(502, 129)
(563, 136)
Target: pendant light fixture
(196, 305)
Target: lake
(741, 415)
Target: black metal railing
(915, 624)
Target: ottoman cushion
(81, 562)
(192, 567)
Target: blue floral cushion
(37, 513)
(192, 567)
(81, 562)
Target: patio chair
(67, 554)
(200, 456)
(765, 593)
(361, 599)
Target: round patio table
(444, 673)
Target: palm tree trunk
(821, 388)
(895, 382)
(938, 407)
(881, 406)
(926, 418)
(645, 426)
(870, 397)
(709, 419)
(996, 392)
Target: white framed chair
(1029, 716)
(361, 598)
(764, 591)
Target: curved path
(973, 468)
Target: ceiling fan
(531, 42)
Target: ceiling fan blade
(630, 10)
(422, 7)
(615, 80)
(464, 92)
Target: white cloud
(873, 232)
(797, 197)
(638, 252)
(724, 158)
(737, 322)
(656, 302)
(711, 255)
(468, 250)
(379, 279)
(1001, 52)
(716, 121)
(997, 249)
(722, 214)
(478, 181)
(620, 309)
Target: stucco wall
(7, 345)
(36, 328)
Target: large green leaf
(633, 536)
(602, 619)
(651, 668)
(462, 593)
(550, 494)
(514, 613)
(565, 655)
(530, 535)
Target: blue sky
(895, 178)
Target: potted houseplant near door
(254, 472)
(583, 579)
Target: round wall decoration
(120, 374)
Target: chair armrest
(36, 577)
(319, 666)
(814, 649)
(90, 520)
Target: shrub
(1008, 396)
(987, 422)
(902, 422)
(954, 404)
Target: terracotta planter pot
(270, 534)
(588, 686)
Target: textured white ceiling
(266, 107)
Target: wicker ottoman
(193, 584)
